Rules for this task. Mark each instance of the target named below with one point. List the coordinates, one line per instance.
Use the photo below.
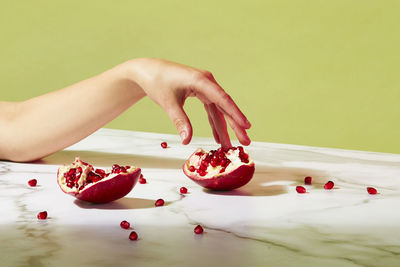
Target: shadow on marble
(108, 159)
(125, 203)
(272, 181)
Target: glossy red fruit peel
(86, 183)
(220, 169)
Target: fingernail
(248, 123)
(183, 135)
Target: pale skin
(37, 127)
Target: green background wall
(320, 73)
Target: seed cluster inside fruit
(217, 159)
(74, 176)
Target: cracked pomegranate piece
(42, 215)
(198, 230)
(220, 169)
(32, 182)
(86, 183)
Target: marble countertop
(263, 223)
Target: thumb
(181, 122)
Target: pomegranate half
(220, 169)
(86, 183)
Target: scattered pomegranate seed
(159, 202)
(329, 185)
(183, 190)
(32, 182)
(164, 145)
(42, 215)
(133, 236)
(371, 190)
(307, 180)
(198, 230)
(125, 224)
(142, 180)
(300, 189)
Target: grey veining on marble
(264, 223)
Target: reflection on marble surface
(265, 222)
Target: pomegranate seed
(125, 224)
(164, 145)
(183, 190)
(202, 173)
(371, 190)
(192, 168)
(159, 202)
(307, 180)
(300, 189)
(142, 180)
(32, 182)
(42, 215)
(329, 185)
(133, 236)
(198, 230)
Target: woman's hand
(170, 84)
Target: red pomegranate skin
(107, 189)
(223, 181)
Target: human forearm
(48, 123)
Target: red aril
(329, 185)
(307, 180)
(164, 145)
(125, 225)
(198, 230)
(183, 190)
(142, 180)
(133, 236)
(301, 189)
(159, 202)
(32, 182)
(371, 191)
(220, 169)
(84, 182)
(42, 215)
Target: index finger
(225, 103)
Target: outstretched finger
(239, 132)
(181, 122)
(220, 125)
(215, 94)
(210, 120)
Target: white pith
(85, 170)
(232, 155)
